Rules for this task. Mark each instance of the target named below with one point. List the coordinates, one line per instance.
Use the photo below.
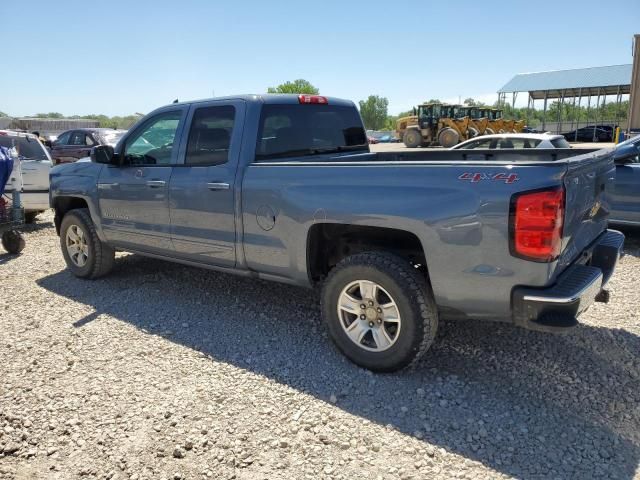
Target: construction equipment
(431, 123)
(477, 121)
(496, 122)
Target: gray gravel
(165, 371)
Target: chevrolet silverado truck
(285, 188)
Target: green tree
(374, 112)
(50, 115)
(2, 114)
(433, 100)
(297, 86)
(471, 102)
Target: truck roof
(271, 98)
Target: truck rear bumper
(556, 308)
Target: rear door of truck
(202, 187)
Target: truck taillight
(536, 224)
(313, 99)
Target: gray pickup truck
(284, 188)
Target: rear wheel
(12, 241)
(379, 311)
(448, 137)
(412, 138)
(472, 132)
(85, 254)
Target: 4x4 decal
(501, 177)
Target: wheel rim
(77, 246)
(369, 316)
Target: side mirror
(626, 154)
(103, 154)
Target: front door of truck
(201, 192)
(133, 197)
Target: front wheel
(412, 138)
(86, 256)
(379, 311)
(448, 137)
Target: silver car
(514, 140)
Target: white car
(33, 164)
(514, 140)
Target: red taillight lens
(536, 225)
(313, 99)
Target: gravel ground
(166, 371)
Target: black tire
(472, 132)
(448, 137)
(100, 256)
(30, 217)
(412, 296)
(412, 138)
(12, 241)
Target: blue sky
(117, 57)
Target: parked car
(285, 188)
(72, 145)
(625, 196)
(592, 133)
(34, 165)
(526, 129)
(385, 137)
(514, 140)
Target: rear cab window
(293, 130)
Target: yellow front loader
(432, 123)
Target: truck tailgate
(588, 181)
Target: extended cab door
(133, 197)
(203, 227)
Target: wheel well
(328, 243)
(62, 205)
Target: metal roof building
(611, 80)
(575, 84)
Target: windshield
(27, 148)
(111, 138)
(302, 130)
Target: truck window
(295, 130)
(153, 143)
(210, 135)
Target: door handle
(102, 186)
(156, 183)
(217, 186)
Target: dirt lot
(165, 371)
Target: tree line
(375, 115)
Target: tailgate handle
(156, 183)
(218, 186)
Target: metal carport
(575, 84)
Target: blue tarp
(6, 167)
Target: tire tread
(104, 254)
(408, 278)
